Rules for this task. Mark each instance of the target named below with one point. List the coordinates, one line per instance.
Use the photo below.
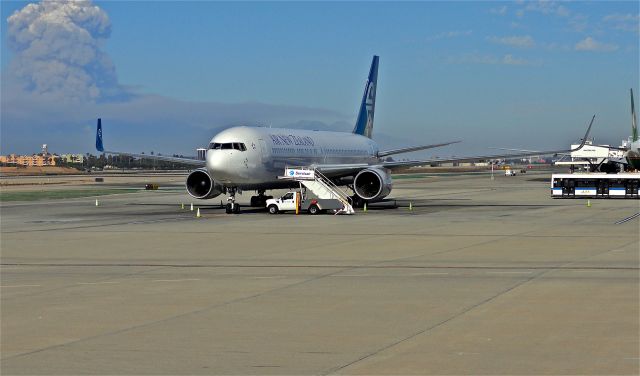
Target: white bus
(596, 185)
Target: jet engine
(372, 184)
(201, 186)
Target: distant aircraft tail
(364, 124)
(99, 145)
(634, 120)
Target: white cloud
(525, 41)
(488, 59)
(509, 59)
(622, 17)
(578, 22)
(499, 10)
(450, 34)
(554, 46)
(546, 7)
(625, 22)
(590, 44)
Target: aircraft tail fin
(99, 145)
(364, 123)
(634, 120)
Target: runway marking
(176, 280)
(21, 286)
(322, 266)
(352, 275)
(628, 218)
(587, 271)
(269, 277)
(96, 283)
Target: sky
(166, 76)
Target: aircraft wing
(348, 169)
(385, 153)
(185, 161)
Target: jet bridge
(320, 185)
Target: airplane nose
(218, 165)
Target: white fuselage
(270, 150)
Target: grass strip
(59, 194)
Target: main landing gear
(232, 207)
(357, 201)
(260, 201)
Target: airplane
(632, 154)
(630, 160)
(252, 158)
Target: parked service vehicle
(311, 205)
(596, 185)
(509, 172)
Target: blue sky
(520, 74)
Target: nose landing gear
(232, 207)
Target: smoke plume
(57, 51)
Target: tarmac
(481, 277)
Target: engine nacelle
(200, 185)
(372, 184)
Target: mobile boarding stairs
(320, 185)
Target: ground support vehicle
(290, 200)
(595, 185)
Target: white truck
(311, 205)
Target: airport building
(29, 160)
(201, 154)
(38, 160)
(72, 158)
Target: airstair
(321, 186)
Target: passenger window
(288, 196)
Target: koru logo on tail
(371, 94)
(371, 97)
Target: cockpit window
(228, 146)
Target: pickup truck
(311, 205)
